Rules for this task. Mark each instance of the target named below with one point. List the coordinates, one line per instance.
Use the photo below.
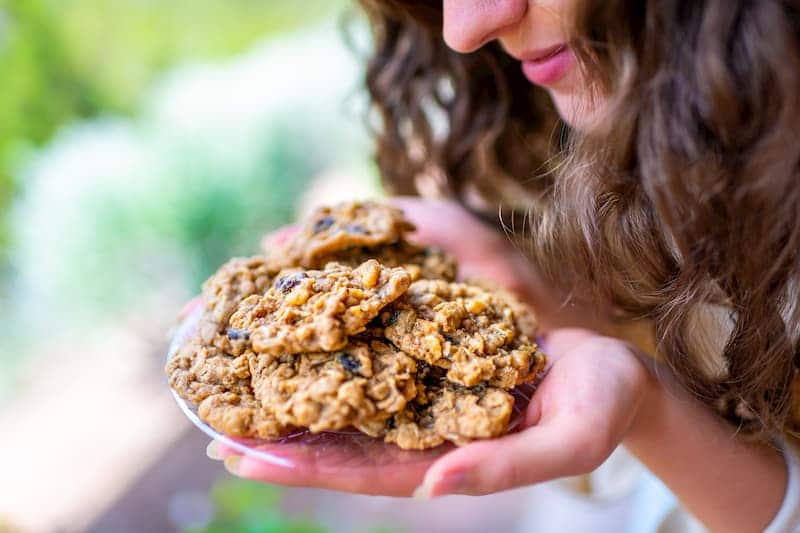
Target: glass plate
(326, 450)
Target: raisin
(287, 283)
(349, 363)
(431, 376)
(477, 389)
(390, 424)
(238, 334)
(356, 229)
(322, 224)
(426, 420)
(393, 317)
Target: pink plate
(327, 450)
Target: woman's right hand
(484, 252)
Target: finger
(190, 307)
(348, 472)
(537, 454)
(486, 254)
(279, 236)
(189, 317)
(557, 342)
(444, 224)
(219, 451)
(390, 479)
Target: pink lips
(547, 67)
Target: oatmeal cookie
(524, 318)
(464, 415)
(333, 229)
(455, 414)
(240, 415)
(219, 384)
(427, 262)
(465, 329)
(413, 429)
(317, 310)
(198, 371)
(223, 292)
(361, 385)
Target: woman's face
(535, 32)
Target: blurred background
(142, 143)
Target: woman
(644, 154)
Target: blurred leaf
(244, 506)
(61, 60)
(234, 497)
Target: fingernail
(189, 307)
(232, 463)
(423, 492)
(533, 413)
(450, 483)
(212, 451)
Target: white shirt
(623, 496)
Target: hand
(581, 412)
(484, 252)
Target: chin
(577, 110)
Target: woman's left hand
(580, 413)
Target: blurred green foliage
(66, 59)
(243, 506)
(137, 165)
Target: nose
(468, 24)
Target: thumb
(536, 454)
(446, 224)
(279, 237)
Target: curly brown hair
(680, 205)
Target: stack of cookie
(348, 324)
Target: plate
(326, 450)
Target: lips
(542, 54)
(548, 65)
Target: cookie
(219, 384)
(223, 292)
(465, 329)
(317, 310)
(524, 318)
(361, 385)
(455, 414)
(240, 415)
(427, 262)
(413, 429)
(198, 371)
(464, 415)
(333, 229)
